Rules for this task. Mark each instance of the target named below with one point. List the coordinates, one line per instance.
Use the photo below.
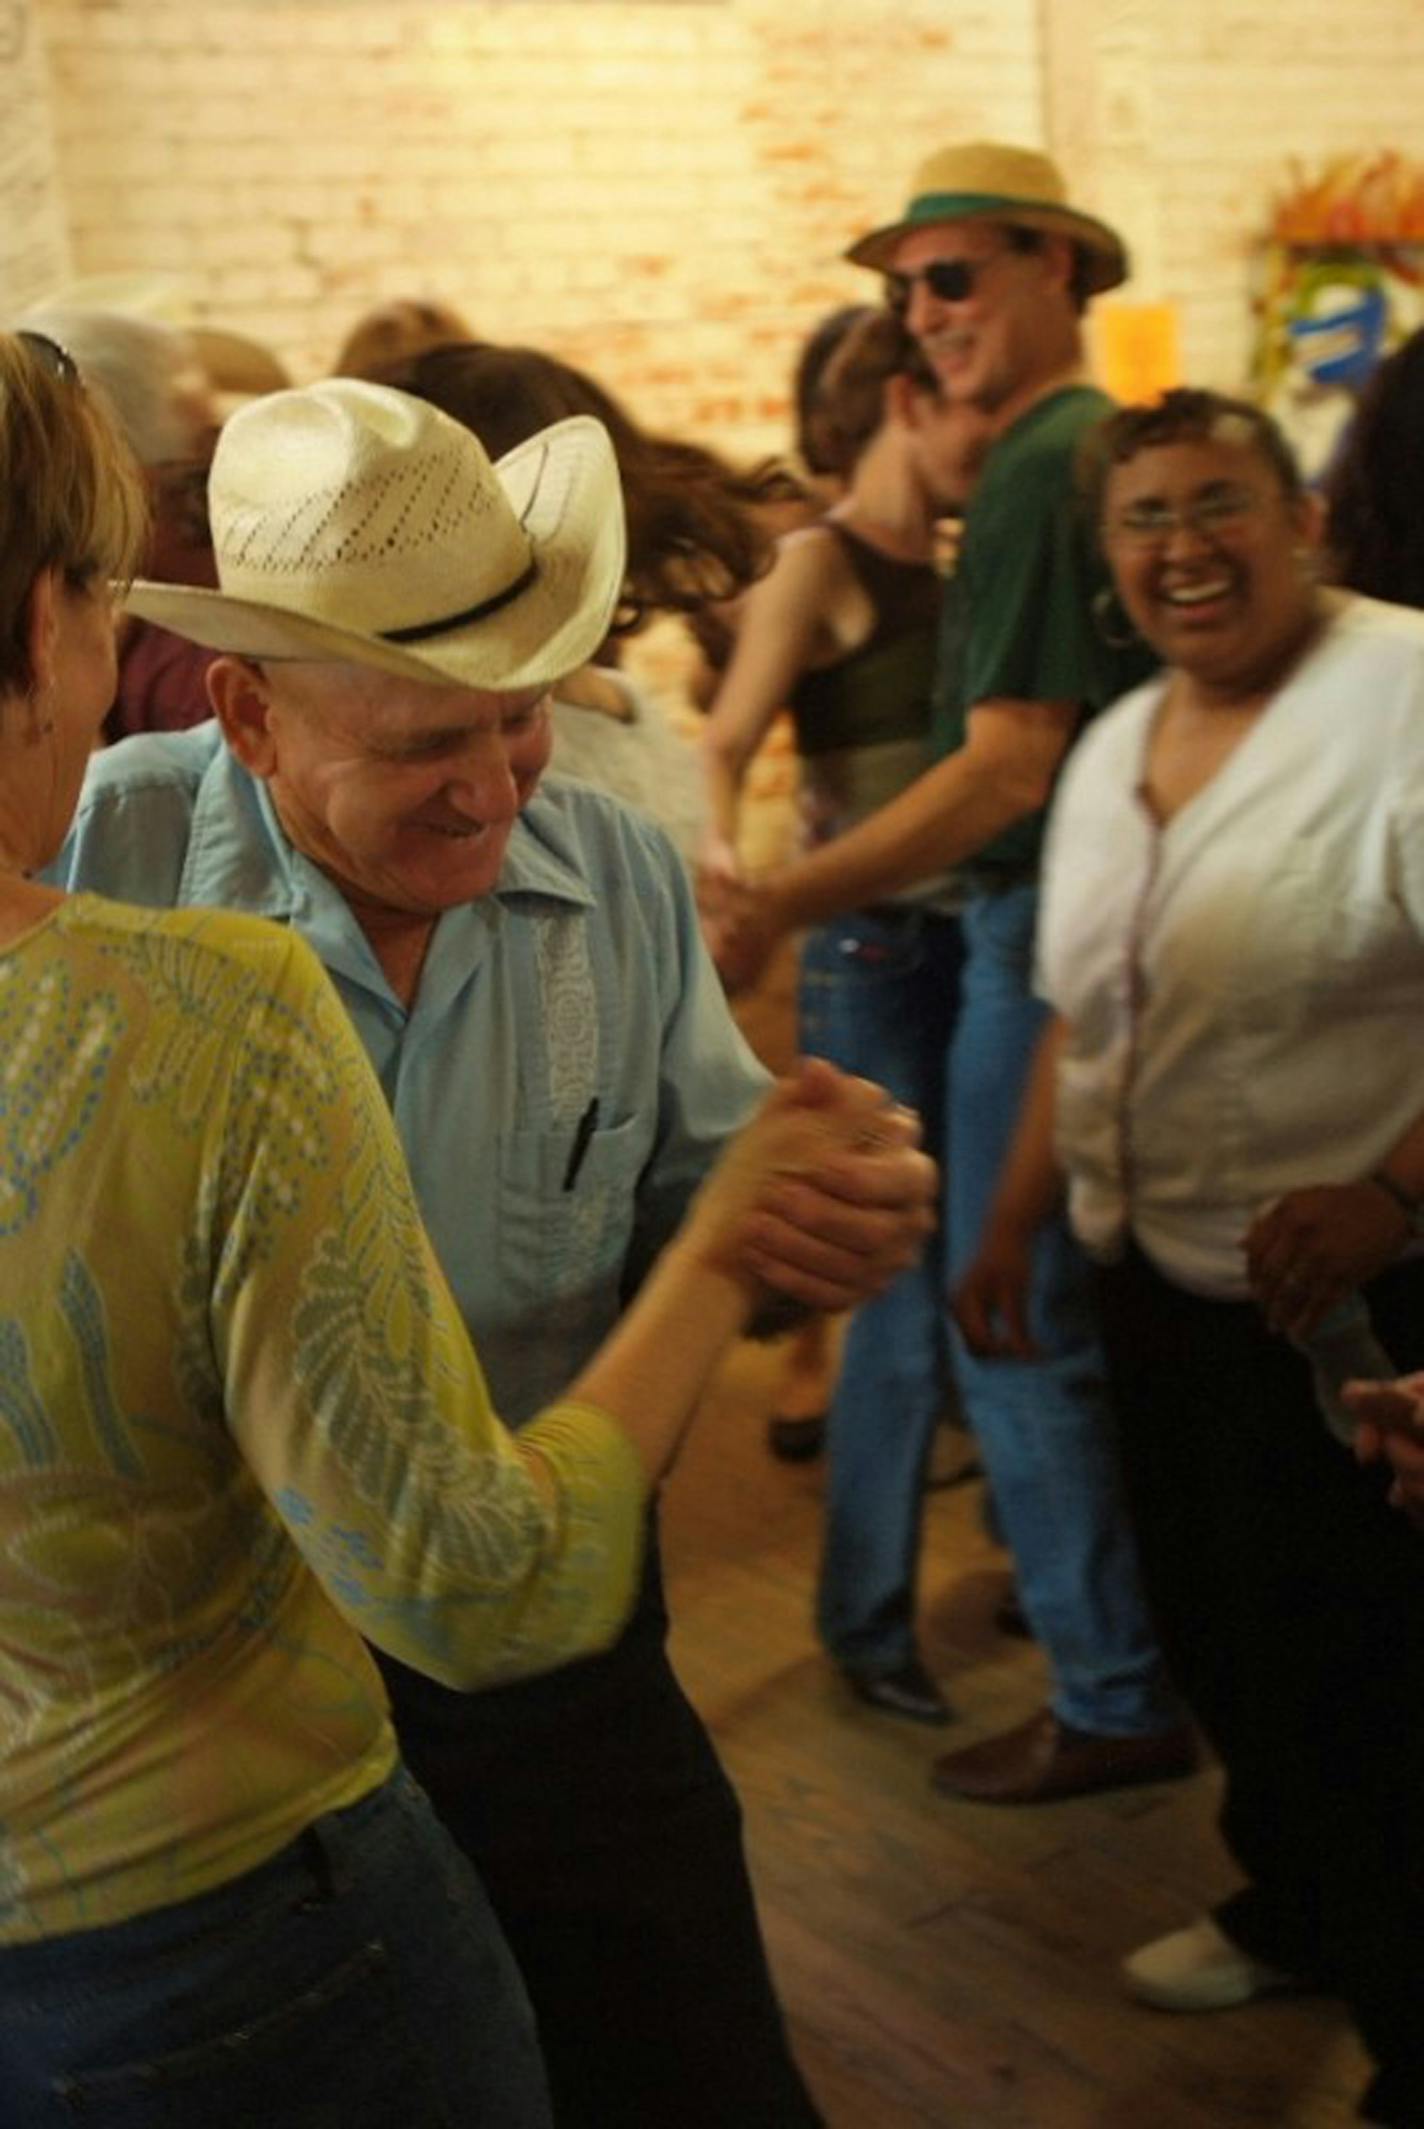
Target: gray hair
(141, 368)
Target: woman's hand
(718, 875)
(1315, 1246)
(824, 1198)
(1389, 1420)
(990, 1303)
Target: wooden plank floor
(947, 1965)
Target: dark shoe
(908, 1690)
(796, 1441)
(1045, 1759)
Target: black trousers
(608, 1838)
(1289, 1598)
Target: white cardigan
(1244, 987)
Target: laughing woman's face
(1208, 552)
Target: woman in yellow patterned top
(241, 1427)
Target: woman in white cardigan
(1233, 939)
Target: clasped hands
(825, 1197)
(737, 920)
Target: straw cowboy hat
(356, 523)
(982, 179)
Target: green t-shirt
(1018, 617)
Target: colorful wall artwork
(1340, 285)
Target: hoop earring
(1111, 621)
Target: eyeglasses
(56, 359)
(948, 280)
(1152, 524)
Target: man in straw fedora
(524, 966)
(993, 268)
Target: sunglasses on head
(56, 359)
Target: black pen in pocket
(587, 1125)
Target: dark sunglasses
(948, 280)
(56, 359)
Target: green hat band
(959, 206)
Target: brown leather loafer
(1044, 1760)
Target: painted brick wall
(658, 189)
(34, 246)
(1188, 120)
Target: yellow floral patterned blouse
(241, 1424)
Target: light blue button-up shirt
(573, 1007)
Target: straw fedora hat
(356, 523)
(984, 180)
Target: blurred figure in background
(1374, 534)
(796, 1427)
(844, 629)
(393, 332)
(151, 377)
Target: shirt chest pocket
(566, 1208)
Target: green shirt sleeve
(1020, 619)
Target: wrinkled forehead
(971, 238)
(367, 697)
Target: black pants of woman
(1289, 1597)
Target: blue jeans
(1043, 1426)
(357, 1980)
(879, 993)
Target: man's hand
(742, 933)
(844, 1226)
(1315, 1246)
(1389, 1420)
(991, 1301)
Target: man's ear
(1060, 258)
(242, 704)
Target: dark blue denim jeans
(879, 993)
(1044, 1427)
(356, 1981)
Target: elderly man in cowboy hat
(993, 269)
(524, 967)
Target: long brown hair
(694, 536)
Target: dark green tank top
(882, 691)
